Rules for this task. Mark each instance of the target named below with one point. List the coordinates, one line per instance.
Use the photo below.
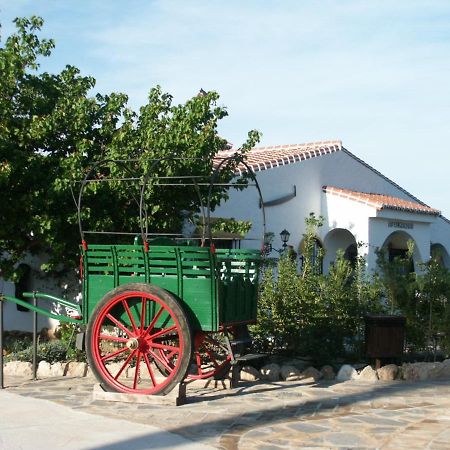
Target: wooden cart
(157, 312)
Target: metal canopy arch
(205, 210)
(142, 207)
(252, 175)
(87, 179)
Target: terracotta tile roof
(262, 158)
(381, 201)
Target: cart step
(249, 357)
(244, 341)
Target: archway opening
(340, 239)
(397, 244)
(440, 254)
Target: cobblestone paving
(266, 416)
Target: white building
(358, 204)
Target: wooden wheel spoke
(120, 325)
(127, 361)
(136, 373)
(149, 368)
(212, 358)
(161, 361)
(163, 332)
(153, 322)
(198, 360)
(210, 354)
(173, 353)
(108, 337)
(130, 315)
(111, 355)
(216, 343)
(144, 303)
(165, 347)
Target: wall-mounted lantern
(268, 238)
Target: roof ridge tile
(381, 201)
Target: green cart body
(215, 288)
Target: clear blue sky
(375, 74)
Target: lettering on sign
(404, 225)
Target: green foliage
(19, 348)
(241, 227)
(66, 333)
(398, 278)
(422, 297)
(14, 344)
(314, 314)
(51, 351)
(427, 309)
(52, 129)
(433, 302)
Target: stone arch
(396, 244)
(340, 239)
(439, 252)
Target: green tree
(398, 278)
(52, 129)
(430, 313)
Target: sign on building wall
(402, 225)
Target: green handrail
(42, 311)
(54, 299)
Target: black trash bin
(384, 337)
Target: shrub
(66, 332)
(61, 349)
(313, 314)
(13, 343)
(51, 351)
(423, 298)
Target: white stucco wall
(68, 286)
(342, 170)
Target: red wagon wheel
(134, 330)
(211, 356)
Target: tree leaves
(52, 130)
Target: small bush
(66, 332)
(14, 344)
(312, 314)
(20, 348)
(51, 351)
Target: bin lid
(381, 319)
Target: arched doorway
(438, 252)
(340, 239)
(396, 245)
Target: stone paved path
(266, 416)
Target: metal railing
(36, 310)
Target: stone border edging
(289, 371)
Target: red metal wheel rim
(140, 343)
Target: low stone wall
(47, 370)
(420, 371)
(288, 371)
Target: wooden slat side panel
(238, 284)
